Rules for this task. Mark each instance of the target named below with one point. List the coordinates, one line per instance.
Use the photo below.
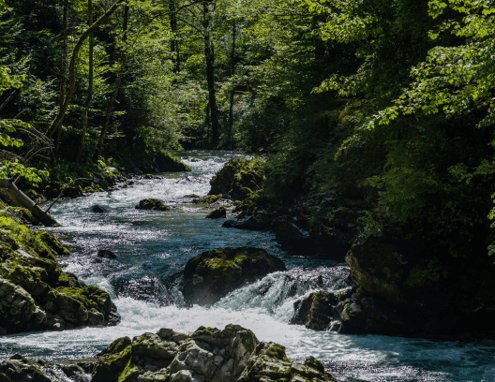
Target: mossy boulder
(35, 294)
(209, 199)
(53, 243)
(239, 178)
(407, 285)
(270, 363)
(166, 162)
(208, 354)
(152, 204)
(212, 275)
(221, 213)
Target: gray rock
(213, 355)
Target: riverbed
(144, 281)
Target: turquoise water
(145, 279)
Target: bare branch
(8, 99)
(63, 189)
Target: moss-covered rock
(209, 354)
(407, 285)
(152, 204)
(316, 311)
(217, 214)
(270, 363)
(53, 243)
(209, 199)
(239, 178)
(213, 274)
(35, 294)
(166, 162)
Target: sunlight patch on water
(152, 249)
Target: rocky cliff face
(35, 294)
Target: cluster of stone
(233, 354)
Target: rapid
(144, 281)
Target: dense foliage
(387, 101)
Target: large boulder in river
(229, 355)
(239, 178)
(212, 275)
(152, 204)
(35, 294)
(407, 284)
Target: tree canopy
(390, 100)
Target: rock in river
(209, 354)
(212, 275)
(152, 204)
(233, 354)
(218, 214)
(106, 254)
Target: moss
(118, 345)
(209, 199)
(314, 364)
(166, 162)
(248, 340)
(276, 351)
(128, 373)
(221, 268)
(52, 242)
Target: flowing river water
(145, 280)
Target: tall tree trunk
(174, 44)
(116, 86)
(65, 69)
(210, 78)
(232, 70)
(89, 97)
(71, 71)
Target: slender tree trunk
(116, 87)
(89, 97)
(174, 44)
(232, 70)
(71, 71)
(65, 69)
(210, 78)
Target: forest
(357, 133)
(388, 99)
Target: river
(144, 281)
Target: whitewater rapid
(145, 280)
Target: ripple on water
(152, 249)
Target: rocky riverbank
(75, 180)
(403, 283)
(35, 294)
(208, 354)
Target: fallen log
(11, 194)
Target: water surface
(145, 281)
